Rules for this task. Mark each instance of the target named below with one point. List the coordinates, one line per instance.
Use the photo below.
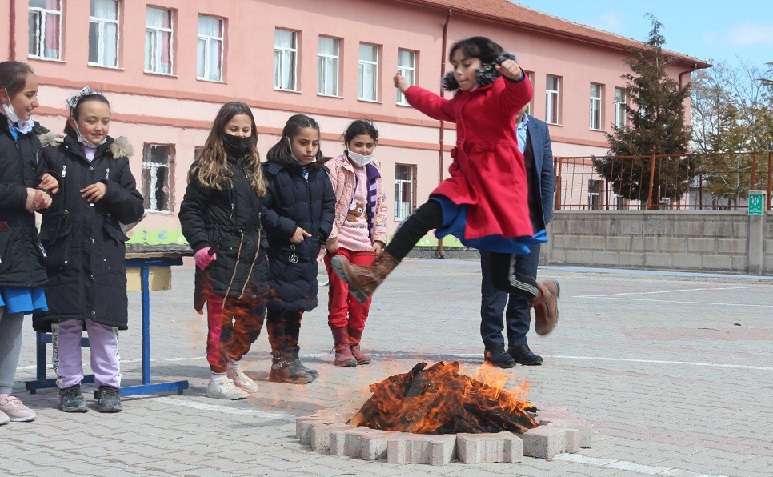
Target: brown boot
(546, 307)
(354, 344)
(343, 356)
(363, 281)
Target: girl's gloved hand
(203, 258)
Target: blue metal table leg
(145, 280)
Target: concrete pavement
(674, 372)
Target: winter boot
(71, 399)
(109, 399)
(498, 357)
(311, 372)
(285, 370)
(546, 307)
(354, 344)
(342, 346)
(363, 281)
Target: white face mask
(23, 126)
(83, 140)
(358, 159)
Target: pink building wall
(178, 109)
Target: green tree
(655, 125)
(732, 125)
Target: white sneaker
(241, 380)
(4, 419)
(224, 388)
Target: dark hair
(477, 47)
(13, 76)
(76, 111)
(211, 170)
(281, 152)
(360, 126)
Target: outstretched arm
(426, 101)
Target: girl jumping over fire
(484, 202)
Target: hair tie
(73, 100)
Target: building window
(209, 49)
(594, 194)
(159, 34)
(285, 59)
(368, 72)
(595, 105)
(46, 29)
(620, 101)
(528, 108)
(103, 33)
(405, 190)
(552, 99)
(327, 66)
(619, 201)
(406, 66)
(156, 187)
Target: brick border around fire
(326, 432)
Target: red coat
(488, 172)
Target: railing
(662, 181)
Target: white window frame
(208, 39)
(361, 66)
(404, 209)
(325, 63)
(529, 106)
(408, 71)
(148, 189)
(40, 34)
(595, 119)
(101, 31)
(620, 102)
(594, 194)
(553, 97)
(280, 53)
(156, 49)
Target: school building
(168, 65)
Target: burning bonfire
(439, 400)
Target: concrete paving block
(319, 435)
(421, 449)
(544, 442)
(302, 426)
(582, 426)
(488, 448)
(347, 442)
(374, 444)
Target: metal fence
(661, 181)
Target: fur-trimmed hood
(119, 148)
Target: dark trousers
(494, 301)
(284, 327)
(504, 273)
(232, 328)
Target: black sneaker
(71, 399)
(108, 399)
(498, 357)
(523, 355)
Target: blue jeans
(494, 301)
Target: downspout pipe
(12, 32)
(441, 127)
(442, 92)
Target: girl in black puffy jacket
(299, 206)
(22, 266)
(86, 251)
(221, 219)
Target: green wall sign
(756, 203)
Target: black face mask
(238, 146)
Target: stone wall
(701, 241)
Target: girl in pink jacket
(359, 234)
